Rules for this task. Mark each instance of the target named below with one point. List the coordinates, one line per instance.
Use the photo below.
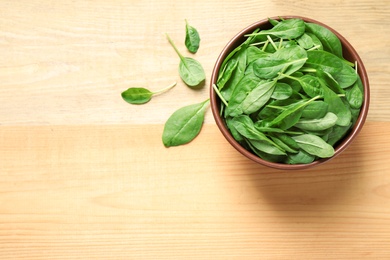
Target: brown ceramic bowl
(349, 53)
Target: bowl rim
(344, 143)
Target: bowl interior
(349, 54)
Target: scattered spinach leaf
(190, 70)
(184, 124)
(192, 39)
(141, 95)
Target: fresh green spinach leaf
(184, 124)
(190, 70)
(192, 39)
(314, 145)
(141, 95)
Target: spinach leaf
(282, 91)
(227, 73)
(190, 70)
(265, 156)
(253, 53)
(257, 97)
(329, 40)
(301, 157)
(244, 86)
(192, 39)
(243, 45)
(319, 124)
(314, 145)
(283, 145)
(237, 74)
(337, 133)
(290, 117)
(321, 60)
(288, 60)
(305, 41)
(141, 95)
(286, 29)
(315, 109)
(317, 45)
(337, 106)
(266, 147)
(184, 124)
(354, 95)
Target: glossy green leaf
(314, 145)
(291, 116)
(283, 145)
(258, 97)
(184, 124)
(337, 106)
(318, 124)
(305, 41)
(329, 40)
(141, 95)
(226, 74)
(192, 39)
(315, 109)
(244, 86)
(338, 132)
(190, 70)
(282, 91)
(301, 157)
(321, 60)
(286, 60)
(267, 147)
(354, 95)
(237, 74)
(137, 95)
(286, 29)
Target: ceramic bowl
(349, 53)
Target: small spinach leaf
(190, 70)
(192, 38)
(141, 95)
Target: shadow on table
(334, 182)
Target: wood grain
(84, 175)
(74, 59)
(114, 192)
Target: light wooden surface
(84, 175)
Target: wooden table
(84, 175)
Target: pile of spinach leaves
(287, 94)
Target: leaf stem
(165, 89)
(219, 94)
(265, 45)
(272, 42)
(174, 47)
(315, 47)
